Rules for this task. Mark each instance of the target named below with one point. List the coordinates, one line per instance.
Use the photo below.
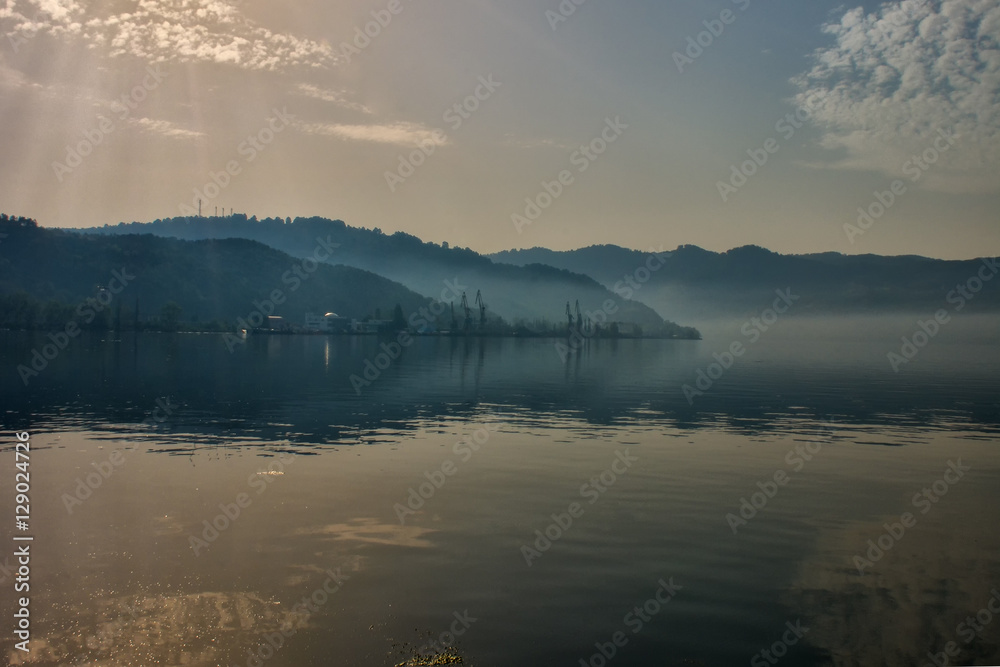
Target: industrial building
(328, 323)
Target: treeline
(18, 221)
(611, 330)
(21, 311)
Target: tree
(170, 316)
(18, 310)
(55, 315)
(398, 320)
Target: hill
(530, 295)
(55, 271)
(697, 284)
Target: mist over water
(300, 388)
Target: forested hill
(209, 280)
(525, 293)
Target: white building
(328, 323)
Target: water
(499, 435)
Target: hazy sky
(162, 94)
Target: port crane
(482, 309)
(468, 312)
(581, 325)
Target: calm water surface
(498, 436)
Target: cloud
(164, 128)
(895, 77)
(338, 98)
(210, 31)
(403, 134)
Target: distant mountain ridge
(696, 284)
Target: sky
(798, 126)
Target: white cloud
(169, 31)
(334, 97)
(403, 134)
(164, 128)
(895, 77)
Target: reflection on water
(299, 388)
(176, 630)
(371, 531)
(321, 553)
